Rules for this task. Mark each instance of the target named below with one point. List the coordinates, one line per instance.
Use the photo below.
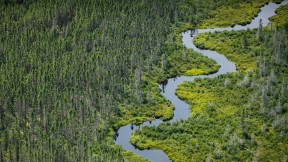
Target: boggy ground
(237, 116)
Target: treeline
(65, 65)
(68, 69)
(207, 14)
(235, 117)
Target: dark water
(182, 109)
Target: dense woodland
(235, 117)
(72, 72)
(65, 65)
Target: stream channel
(182, 109)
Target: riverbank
(160, 137)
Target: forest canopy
(73, 71)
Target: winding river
(182, 109)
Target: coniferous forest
(72, 72)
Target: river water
(182, 109)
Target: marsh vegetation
(72, 72)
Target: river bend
(182, 109)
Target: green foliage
(73, 71)
(178, 61)
(281, 18)
(235, 117)
(207, 14)
(66, 69)
(186, 61)
(233, 13)
(240, 47)
(70, 72)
